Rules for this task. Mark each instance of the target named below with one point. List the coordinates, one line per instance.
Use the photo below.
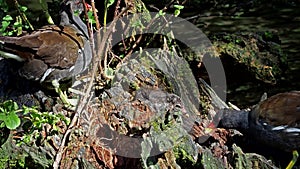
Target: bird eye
(80, 51)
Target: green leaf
(176, 12)
(5, 24)
(23, 8)
(12, 121)
(2, 124)
(76, 12)
(91, 17)
(17, 24)
(178, 7)
(110, 2)
(10, 105)
(109, 72)
(2, 116)
(161, 13)
(7, 18)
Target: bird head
(70, 14)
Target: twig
(60, 150)
(168, 5)
(101, 50)
(116, 9)
(140, 38)
(98, 26)
(23, 15)
(87, 19)
(107, 36)
(83, 101)
(81, 105)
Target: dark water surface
(285, 22)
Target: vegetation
(88, 137)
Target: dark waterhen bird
(274, 121)
(54, 53)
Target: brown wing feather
(60, 46)
(30, 41)
(281, 109)
(25, 50)
(56, 46)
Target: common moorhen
(53, 53)
(274, 121)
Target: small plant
(39, 118)
(11, 25)
(10, 119)
(8, 115)
(91, 17)
(33, 123)
(9, 158)
(107, 4)
(177, 9)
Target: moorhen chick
(274, 121)
(53, 53)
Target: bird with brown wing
(53, 53)
(274, 121)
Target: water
(285, 22)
